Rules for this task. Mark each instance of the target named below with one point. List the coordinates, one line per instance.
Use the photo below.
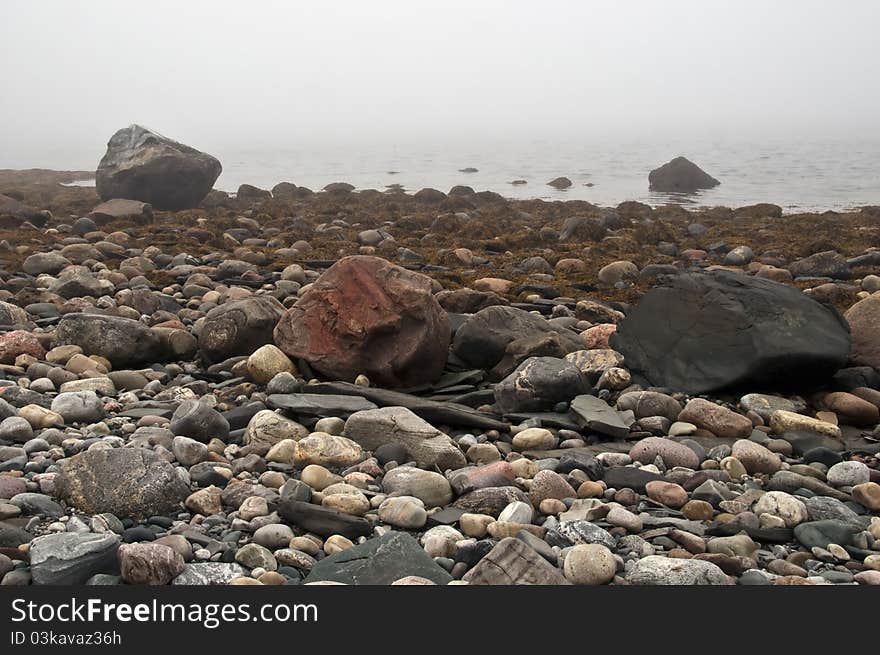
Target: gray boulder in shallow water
(680, 175)
(143, 165)
(703, 332)
(379, 562)
(121, 481)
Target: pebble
(589, 564)
(667, 493)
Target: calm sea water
(799, 175)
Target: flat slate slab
(315, 404)
(324, 521)
(597, 415)
(379, 561)
(548, 420)
(431, 410)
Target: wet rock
(559, 183)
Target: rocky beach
(341, 386)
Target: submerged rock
(680, 175)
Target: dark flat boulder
(323, 520)
(313, 404)
(379, 562)
(597, 415)
(703, 332)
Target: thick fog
(260, 75)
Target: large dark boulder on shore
(143, 165)
(367, 315)
(680, 176)
(702, 332)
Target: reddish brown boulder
(367, 315)
(19, 342)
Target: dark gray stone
(142, 165)
(71, 558)
(597, 415)
(324, 521)
(680, 176)
(703, 332)
(199, 421)
(822, 533)
(540, 383)
(481, 341)
(379, 562)
(123, 341)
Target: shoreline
(543, 191)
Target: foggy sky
(261, 74)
